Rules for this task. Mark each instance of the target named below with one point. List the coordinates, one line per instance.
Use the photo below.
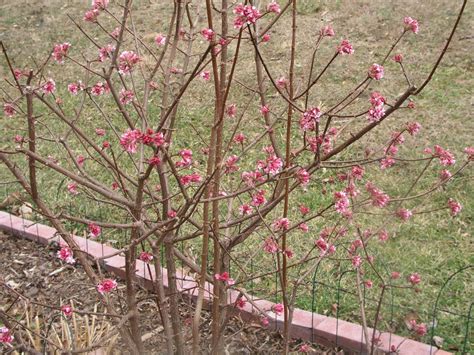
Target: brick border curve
(307, 326)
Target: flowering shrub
(240, 183)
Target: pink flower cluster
(404, 214)
(413, 128)
(445, 157)
(94, 230)
(126, 61)
(106, 52)
(131, 138)
(106, 286)
(245, 14)
(341, 203)
(270, 245)
(126, 96)
(454, 206)
(419, 328)
(160, 39)
(60, 52)
(100, 89)
(379, 198)
(273, 7)
(224, 277)
(230, 164)
(345, 48)
(309, 118)
(186, 158)
(97, 5)
(65, 254)
(271, 165)
(376, 111)
(67, 310)
(190, 178)
(376, 71)
(303, 177)
(49, 87)
(281, 224)
(8, 109)
(75, 87)
(6, 336)
(327, 31)
(145, 257)
(411, 24)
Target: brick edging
(308, 326)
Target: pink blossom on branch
(67, 310)
(65, 254)
(126, 62)
(404, 214)
(100, 4)
(281, 224)
(376, 71)
(414, 278)
(8, 109)
(273, 7)
(327, 31)
(145, 257)
(6, 336)
(72, 188)
(106, 286)
(126, 96)
(208, 34)
(130, 139)
(106, 52)
(445, 157)
(91, 15)
(60, 52)
(345, 47)
(245, 15)
(49, 87)
(74, 88)
(411, 24)
(398, 58)
(94, 230)
(454, 206)
(270, 246)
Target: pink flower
(91, 15)
(205, 75)
(145, 257)
(126, 96)
(327, 31)
(98, 89)
(106, 286)
(356, 261)
(375, 113)
(413, 128)
(100, 4)
(395, 275)
(376, 71)
(387, 162)
(116, 32)
(270, 246)
(341, 203)
(230, 164)
(404, 214)
(100, 132)
(322, 245)
(345, 47)
(208, 34)
(273, 7)
(303, 177)
(245, 14)
(368, 283)
(445, 175)
(65, 254)
(265, 322)
(186, 158)
(278, 308)
(18, 139)
(281, 224)
(305, 348)
(414, 278)
(304, 210)
(66, 310)
(94, 230)
(264, 109)
(106, 52)
(49, 87)
(398, 58)
(74, 88)
(309, 118)
(153, 138)
(126, 61)
(6, 337)
(266, 37)
(303, 227)
(224, 277)
(8, 110)
(383, 235)
(60, 52)
(455, 207)
(231, 110)
(154, 160)
(129, 140)
(411, 105)
(160, 39)
(240, 303)
(105, 144)
(239, 138)
(357, 172)
(446, 158)
(115, 185)
(420, 329)
(377, 99)
(80, 160)
(187, 179)
(272, 165)
(245, 209)
(72, 188)
(470, 152)
(411, 24)
(258, 199)
(282, 82)
(379, 198)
